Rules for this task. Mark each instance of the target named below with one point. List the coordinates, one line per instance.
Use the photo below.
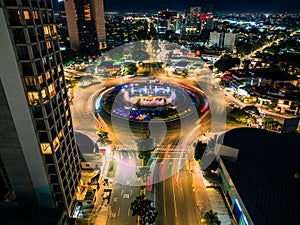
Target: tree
(211, 218)
(145, 147)
(142, 34)
(238, 115)
(103, 135)
(247, 64)
(130, 69)
(143, 172)
(271, 124)
(153, 33)
(243, 48)
(199, 150)
(226, 62)
(184, 73)
(143, 208)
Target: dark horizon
(183, 10)
(230, 6)
(253, 6)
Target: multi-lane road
(173, 196)
(171, 185)
(125, 188)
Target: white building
(216, 39)
(229, 41)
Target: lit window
(67, 113)
(51, 90)
(58, 69)
(40, 79)
(60, 134)
(69, 123)
(47, 75)
(30, 82)
(75, 11)
(44, 94)
(54, 30)
(48, 44)
(56, 143)
(46, 148)
(47, 31)
(87, 12)
(26, 15)
(33, 98)
(35, 15)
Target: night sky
(267, 6)
(219, 5)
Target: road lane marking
(165, 211)
(175, 206)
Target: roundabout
(152, 99)
(171, 110)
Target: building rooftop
(266, 174)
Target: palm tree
(211, 218)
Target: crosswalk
(120, 147)
(159, 148)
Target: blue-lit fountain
(145, 100)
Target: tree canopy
(226, 62)
(143, 208)
(211, 218)
(145, 147)
(199, 150)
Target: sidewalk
(207, 197)
(102, 209)
(218, 205)
(100, 212)
(199, 191)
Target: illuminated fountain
(144, 100)
(148, 100)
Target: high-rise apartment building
(86, 25)
(209, 24)
(166, 20)
(38, 151)
(194, 12)
(216, 39)
(193, 17)
(222, 40)
(229, 41)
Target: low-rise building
(262, 183)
